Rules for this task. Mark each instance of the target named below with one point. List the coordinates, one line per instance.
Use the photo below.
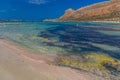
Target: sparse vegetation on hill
(104, 11)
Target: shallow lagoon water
(64, 37)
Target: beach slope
(15, 66)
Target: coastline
(91, 21)
(106, 21)
(27, 53)
(19, 64)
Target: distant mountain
(18, 20)
(103, 11)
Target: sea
(64, 37)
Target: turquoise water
(64, 37)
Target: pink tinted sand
(19, 64)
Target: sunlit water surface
(64, 37)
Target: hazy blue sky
(38, 9)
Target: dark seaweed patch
(77, 39)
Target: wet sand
(19, 64)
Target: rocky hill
(103, 11)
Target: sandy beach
(17, 64)
(106, 21)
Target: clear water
(64, 37)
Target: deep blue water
(64, 37)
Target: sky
(39, 9)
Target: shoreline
(89, 21)
(19, 64)
(106, 21)
(25, 52)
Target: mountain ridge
(102, 11)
